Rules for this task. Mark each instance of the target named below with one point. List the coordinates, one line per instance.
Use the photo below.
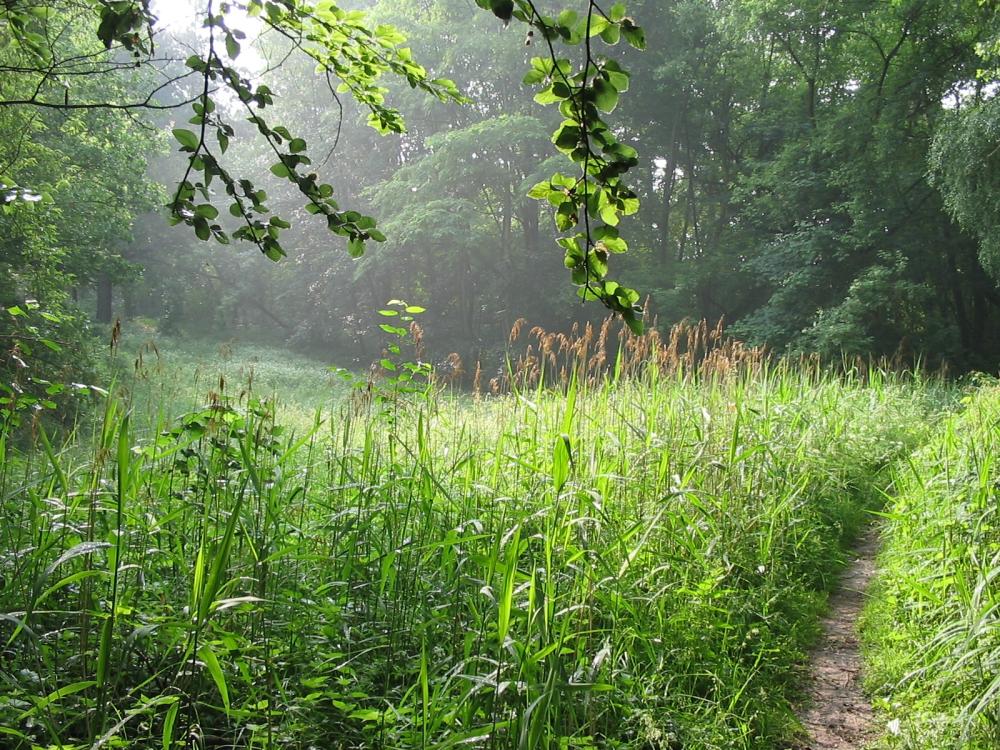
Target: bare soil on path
(838, 716)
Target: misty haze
(499, 373)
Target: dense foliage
(817, 176)
(636, 564)
(934, 622)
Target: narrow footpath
(838, 716)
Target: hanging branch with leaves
(350, 54)
(588, 206)
(345, 48)
(353, 56)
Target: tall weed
(633, 561)
(933, 626)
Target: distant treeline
(823, 177)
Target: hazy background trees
(818, 175)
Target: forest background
(633, 557)
(821, 177)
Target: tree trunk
(130, 301)
(670, 181)
(529, 224)
(507, 209)
(104, 294)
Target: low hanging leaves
(344, 47)
(588, 205)
(502, 9)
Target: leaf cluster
(588, 206)
(344, 48)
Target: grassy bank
(933, 622)
(162, 376)
(624, 565)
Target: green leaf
(561, 90)
(502, 9)
(546, 96)
(567, 18)
(186, 138)
(567, 137)
(168, 725)
(211, 662)
(605, 95)
(356, 247)
(540, 191)
(633, 34)
(533, 76)
(634, 323)
(42, 703)
(598, 25)
(616, 76)
(566, 216)
(612, 34)
(614, 244)
(201, 228)
(232, 47)
(598, 263)
(272, 249)
(104, 649)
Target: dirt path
(839, 716)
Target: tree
(965, 166)
(790, 192)
(66, 232)
(855, 250)
(354, 55)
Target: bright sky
(174, 14)
(181, 15)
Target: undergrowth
(933, 622)
(633, 563)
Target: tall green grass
(162, 376)
(635, 564)
(933, 623)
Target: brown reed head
(694, 349)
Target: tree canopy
(817, 176)
(352, 55)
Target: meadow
(161, 377)
(614, 553)
(933, 622)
